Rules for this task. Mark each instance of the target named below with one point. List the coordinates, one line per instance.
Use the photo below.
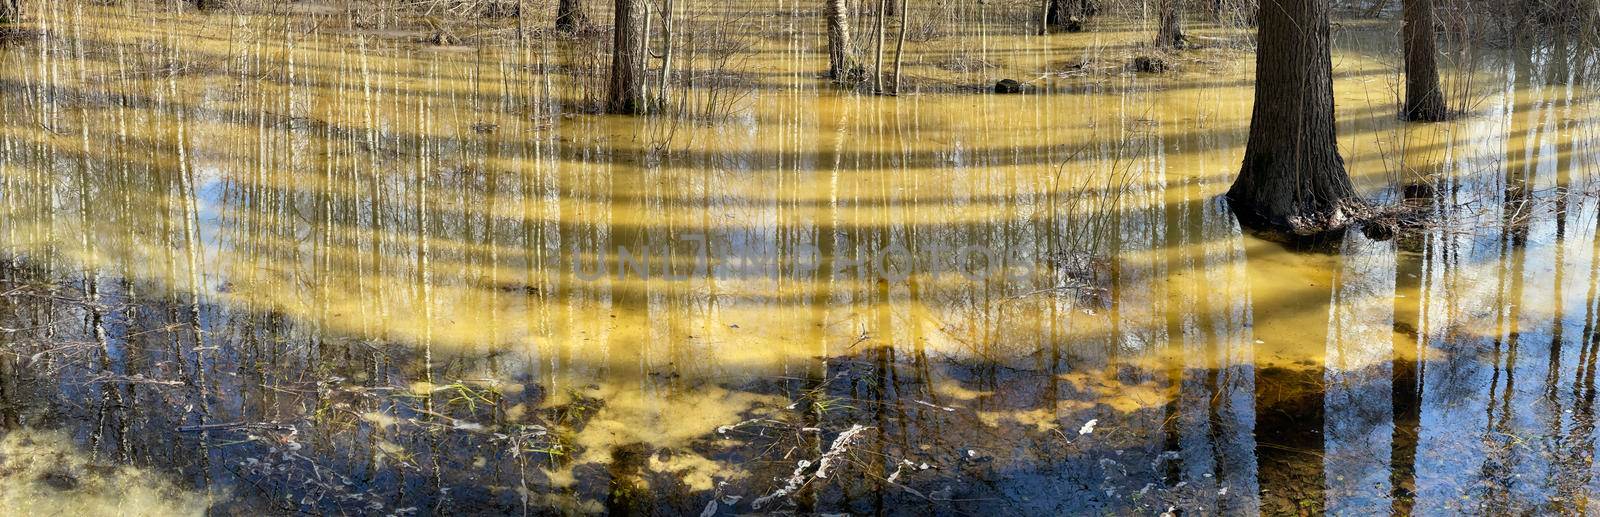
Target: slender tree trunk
(1293, 181)
(1376, 9)
(522, 19)
(1241, 12)
(643, 65)
(570, 16)
(666, 53)
(1424, 98)
(1170, 35)
(900, 47)
(842, 65)
(622, 97)
(1044, 16)
(877, 63)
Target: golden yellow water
(377, 238)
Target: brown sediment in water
(370, 263)
(45, 473)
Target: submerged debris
(45, 473)
(1149, 65)
(803, 472)
(1008, 86)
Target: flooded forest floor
(312, 262)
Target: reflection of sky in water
(347, 261)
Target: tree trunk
(1424, 98)
(877, 64)
(623, 96)
(1293, 181)
(1069, 15)
(1235, 12)
(666, 53)
(522, 19)
(900, 47)
(1044, 16)
(570, 16)
(842, 65)
(1376, 8)
(1170, 35)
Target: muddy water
(256, 260)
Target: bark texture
(842, 62)
(570, 16)
(1293, 180)
(1069, 15)
(1424, 98)
(625, 95)
(1170, 35)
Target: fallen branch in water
(277, 426)
(840, 445)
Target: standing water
(252, 264)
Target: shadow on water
(385, 280)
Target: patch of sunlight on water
(45, 473)
(410, 263)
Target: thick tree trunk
(842, 64)
(1293, 181)
(624, 95)
(1170, 35)
(1069, 15)
(570, 16)
(1424, 98)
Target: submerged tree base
(1427, 115)
(18, 34)
(1323, 231)
(1303, 226)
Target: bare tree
(1376, 8)
(1069, 15)
(570, 15)
(10, 10)
(1293, 181)
(842, 62)
(900, 46)
(1170, 35)
(1424, 98)
(877, 64)
(624, 97)
(1234, 12)
(667, 14)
